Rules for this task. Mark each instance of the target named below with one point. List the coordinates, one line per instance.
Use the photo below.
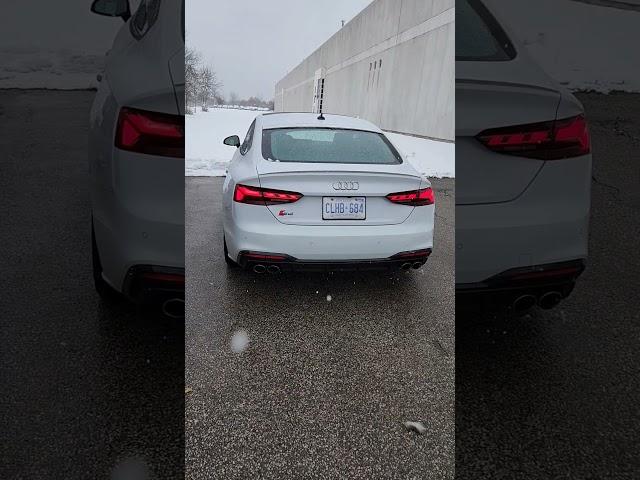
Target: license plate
(344, 208)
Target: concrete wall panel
(413, 91)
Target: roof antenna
(321, 117)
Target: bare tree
(191, 63)
(208, 85)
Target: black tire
(230, 263)
(106, 291)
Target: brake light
(150, 132)
(263, 196)
(546, 141)
(415, 198)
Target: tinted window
(324, 145)
(478, 35)
(248, 140)
(144, 18)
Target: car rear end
(524, 162)
(329, 197)
(137, 158)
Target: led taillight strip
(416, 198)
(263, 196)
(552, 140)
(151, 133)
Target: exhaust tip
(406, 266)
(259, 268)
(549, 300)
(417, 265)
(173, 308)
(273, 269)
(523, 303)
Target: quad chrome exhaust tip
(273, 269)
(549, 300)
(406, 266)
(523, 303)
(259, 268)
(173, 308)
(416, 265)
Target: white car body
(137, 193)
(522, 218)
(299, 231)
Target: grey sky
(252, 44)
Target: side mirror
(112, 8)
(232, 141)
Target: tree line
(203, 88)
(201, 82)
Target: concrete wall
(412, 92)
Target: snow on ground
(55, 69)
(207, 156)
(433, 158)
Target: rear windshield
(478, 35)
(327, 145)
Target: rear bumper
(138, 216)
(534, 279)
(272, 264)
(129, 247)
(152, 284)
(253, 229)
(547, 224)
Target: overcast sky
(252, 44)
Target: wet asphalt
(89, 390)
(556, 394)
(332, 365)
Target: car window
(478, 35)
(248, 140)
(144, 18)
(327, 145)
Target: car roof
(305, 119)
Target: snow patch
(430, 157)
(53, 69)
(207, 156)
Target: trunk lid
(318, 180)
(485, 100)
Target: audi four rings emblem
(346, 186)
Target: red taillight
(546, 141)
(150, 132)
(263, 196)
(416, 198)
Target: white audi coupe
(323, 192)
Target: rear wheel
(230, 263)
